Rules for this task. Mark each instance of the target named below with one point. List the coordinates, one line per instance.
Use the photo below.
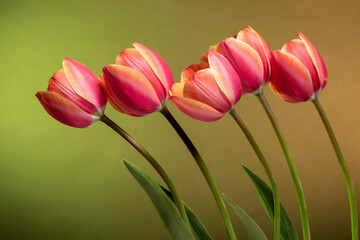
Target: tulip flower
(250, 56)
(207, 93)
(298, 75)
(74, 96)
(138, 82)
(298, 71)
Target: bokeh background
(58, 182)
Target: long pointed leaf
(198, 227)
(252, 228)
(287, 228)
(176, 227)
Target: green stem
(267, 169)
(205, 171)
(153, 163)
(344, 169)
(294, 174)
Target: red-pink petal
(197, 110)
(225, 76)
(317, 60)
(132, 58)
(251, 37)
(193, 108)
(247, 63)
(157, 64)
(61, 86)
(65, 111)
(297, 48)
(203, 88)
(290, 78)
(60, 77)
(84, 82)
(130, 90)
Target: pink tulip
(139, 81)
(207, 91)
(298, 71)
(74, 95)
(250, 56)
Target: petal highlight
(84, 82)
(253, 38)
(225, 76)
(157, 64)
(132, 58)
(317, 60)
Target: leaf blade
(253, 229)
(198, 227)
(174, 224)
(287, 228)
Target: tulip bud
(138, 82)
(298, 71)
(250, 56)
(74, 96)
(207, 92)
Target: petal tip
(300, 35)
(67, 60)
(249, 28)
(38, 95)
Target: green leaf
(197, 226)
(252, 228)
(174, 224)
(287, 228)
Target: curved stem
(267, 169)
(344, 169)
(205, 171)
(153, 163)
(294, 174)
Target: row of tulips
(140, 83)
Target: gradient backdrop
(58, 182)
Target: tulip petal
(225, 76)
(177, 89)
(130, 90)
(65, 111)
(204, 59)
(290, 79)
(84, 82)
(247, 63)
(189, 72)
(132, 58)
(197, 110)
(297, 48)
(61, 86)
(193, 108)
(317, 60)
(203, 88)
(251, 37)
(157, 64)
(60, 77)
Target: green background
(58, 182)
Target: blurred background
(58, 182)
